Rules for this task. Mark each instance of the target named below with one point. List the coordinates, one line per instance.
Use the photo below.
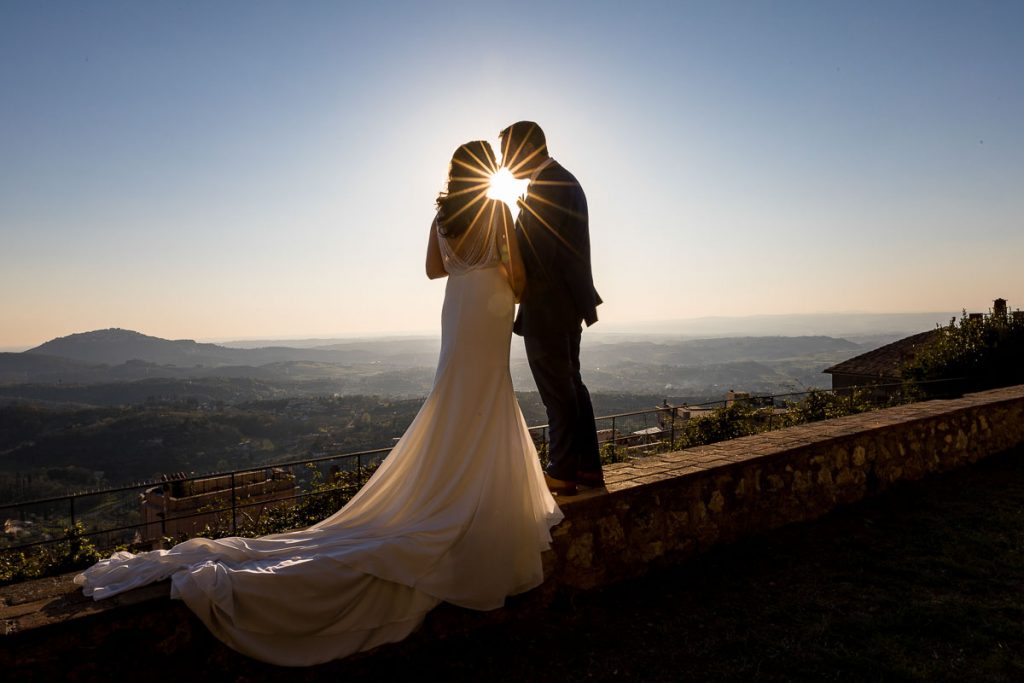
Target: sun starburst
(506, 187)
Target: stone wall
(667, 508)
(657, 510)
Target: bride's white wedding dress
(458, 512)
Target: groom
(554, 239)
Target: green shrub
(74, 551)
(981, 354)
(819, 404)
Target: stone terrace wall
(657, 510)
(666, 508)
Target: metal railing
(235, 502)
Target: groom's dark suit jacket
(554, 238)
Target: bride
(458, 512)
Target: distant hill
(115, 346)
(19, 367)
(698, 352)
(845, 325)
(70, 368)
(395, 367)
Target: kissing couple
(460, 510)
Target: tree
(972, 353)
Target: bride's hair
(465, 196)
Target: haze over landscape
(652, 359)
(226, 171)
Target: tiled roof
(885, 361)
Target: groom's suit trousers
(554, 239)
(572, 438)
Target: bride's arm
(435, 264)
(510, 256)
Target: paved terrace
(655, 512)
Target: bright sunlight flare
(506, 187)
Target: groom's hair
(516, 137)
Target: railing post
(614, 438)
(672, 429)
(71, 500)
(234, 521)
(359, 468)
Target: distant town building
(999, 308)
(19, 531)
(732, 396)
(181, 506)
(646, 436)
(685, 413)
(880, 369)
(16, 528)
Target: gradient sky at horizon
(264, 169)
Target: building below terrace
(184, 507)
(881, 371)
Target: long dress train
(457, 512)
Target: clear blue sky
(253, 169)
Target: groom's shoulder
(559, 177)
(561, 172)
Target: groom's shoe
(594, 480)
(560, 487)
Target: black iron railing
(254, 499)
